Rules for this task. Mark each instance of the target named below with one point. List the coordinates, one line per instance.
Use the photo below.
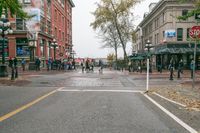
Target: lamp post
(54, 44)
(148, 46)
(5, 28)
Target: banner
(170, 33)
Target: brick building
(55, 23)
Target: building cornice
(159, 5)
(71, 3)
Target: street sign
(195, 32)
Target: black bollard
(179, 73)
(171, 73)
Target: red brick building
(55, 23)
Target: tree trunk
(119, 33)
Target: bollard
(179, 73)
(171, 73)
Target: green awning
(137, 58)
(177, 50)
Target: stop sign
(195, 32)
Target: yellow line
(4, 117)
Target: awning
(137, 58)
(176, 49)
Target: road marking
(179, 121)
(12, 113)
(169, 100)
(119, 91)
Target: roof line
(71, 3)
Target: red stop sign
(195, 32)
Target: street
(76, 102)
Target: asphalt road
(86, 103)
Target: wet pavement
(111, 102)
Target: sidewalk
(24, 77)
(181, 92)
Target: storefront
(164, 53)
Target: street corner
(181, 95)
(21, 81)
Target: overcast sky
(85, 42)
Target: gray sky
(85, 42)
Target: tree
(117, 13)
(110, 40)
(14, 7)
(110, 58)
(193, 12)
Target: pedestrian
(129, 66)
(101, 66)
(192, 68)
(15, 62)
(180, 68)
(37, 64)
(83, 65)
(10, 62)
(87, 67)
(74, 64)
(23, 63)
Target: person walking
(83, 65)
(192, 68)
(101, 66)
(15, 62)
(180, 69)
(23, 63)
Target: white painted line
(179, 121)
(169, 100)
(119, 91)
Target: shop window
(184, 12)
(188, 33)
(180, 34)
(22, 48)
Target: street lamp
(148, 46)
(54, 44)
(5, 28)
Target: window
(63, 37)
(19, 24)
(163, 17)
(184, 12)
(157, 38)
(22, 48)
(55, 15)
(188, 33)
(55, 32)
(27, 1)
(180, 34)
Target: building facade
(52, 21)
(168, 35)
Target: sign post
(194, 34)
